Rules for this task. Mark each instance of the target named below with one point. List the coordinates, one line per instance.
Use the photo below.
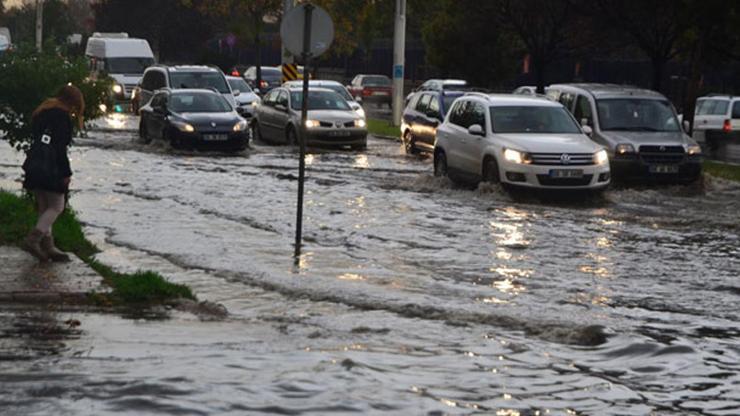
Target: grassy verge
(722, 170)
(17, 217)
(382, 128)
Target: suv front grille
(546, 180)
(573, 159)
(662, 154)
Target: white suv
(717, 118)
(518, 140)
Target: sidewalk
(24, 280)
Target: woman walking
(52, 127)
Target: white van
(122, 58)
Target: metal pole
(287, 57)
(39, 24)
(302, 137)
(399, 56)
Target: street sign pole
(302, 138)
(399, 52)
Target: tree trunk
(658, 65)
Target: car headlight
(516, 156)
(310, 124)
(693, 150)
(624, 149)
(240, 126)
(601, 157)
(360, 123)
(117, 88)
(133, 93)
(182, 126)
(255, 103)
(360, 112)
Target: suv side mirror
(585, 122)
(686, 126)
(587, 130)
(236, 93)
(476, 130)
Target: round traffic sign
(292, 29)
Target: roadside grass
(722, 170)
(17, 217)
(382, 128)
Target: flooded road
(413, 295)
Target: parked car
(334, 86)
(717, 122)
(639, 129)
(331, 120)
(246, 100)
(518, 140)
(272, 77)
(176, 77)
(193, 118)
(122, 58)
(423, 113)
(372, 89)
(439, 85)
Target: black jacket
(57, 122)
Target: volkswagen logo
(213, 124)
(662, 148)
(339, 124)
(565, 158)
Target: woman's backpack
(42, 166)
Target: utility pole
(39, 24)
(287, 57)
(399, 58)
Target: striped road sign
(290, 72)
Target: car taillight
(366, 91)
(727, 127)
(263, 84)
(235, 73)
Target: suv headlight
(182, 126)
(117, 88)
(624, 148)
(360, 112)
(240, 126)
(601, 157)
(693, 150)
(311, 124)
(516, 156)
(360, 123)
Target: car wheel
(171, 141)
(440, 164)
(290, 136)
(143, 134)
(409, 144)
(490, 171)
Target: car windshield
(199, 102)
(634, 114)
(206, 80)
(376, 80)
(319, 100)
(128, 65)
(532, 119)
(239, 85)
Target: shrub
(28, 77)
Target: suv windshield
(128, 65)
(376, 80)
(239, 85)
(532, 119)
(198, 102)
(204, 80)
(319, 100)
(634, 114)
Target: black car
(193, 118)
(424, 112)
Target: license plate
(339, 133)
(566, 173)
(663, 168)
(215, 137)
(380, 93)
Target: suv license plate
(215, 137)
(663, 168)
(340, 133)
(566, 173)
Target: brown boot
(32, 244)
(47, 244)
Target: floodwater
(413, 296)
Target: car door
(146, 91)
(419, 114)
(282, 114)
(266, 115)
(471, 144)
(584, 113)
(456, 135)
(430, 120)
(158, 116)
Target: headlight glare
(693, 150)
(182, 126)
(601, 157)
(624, 149)
(516, 156)
(360, 123)
(312, 124)
(360, 112)
(117, 88)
